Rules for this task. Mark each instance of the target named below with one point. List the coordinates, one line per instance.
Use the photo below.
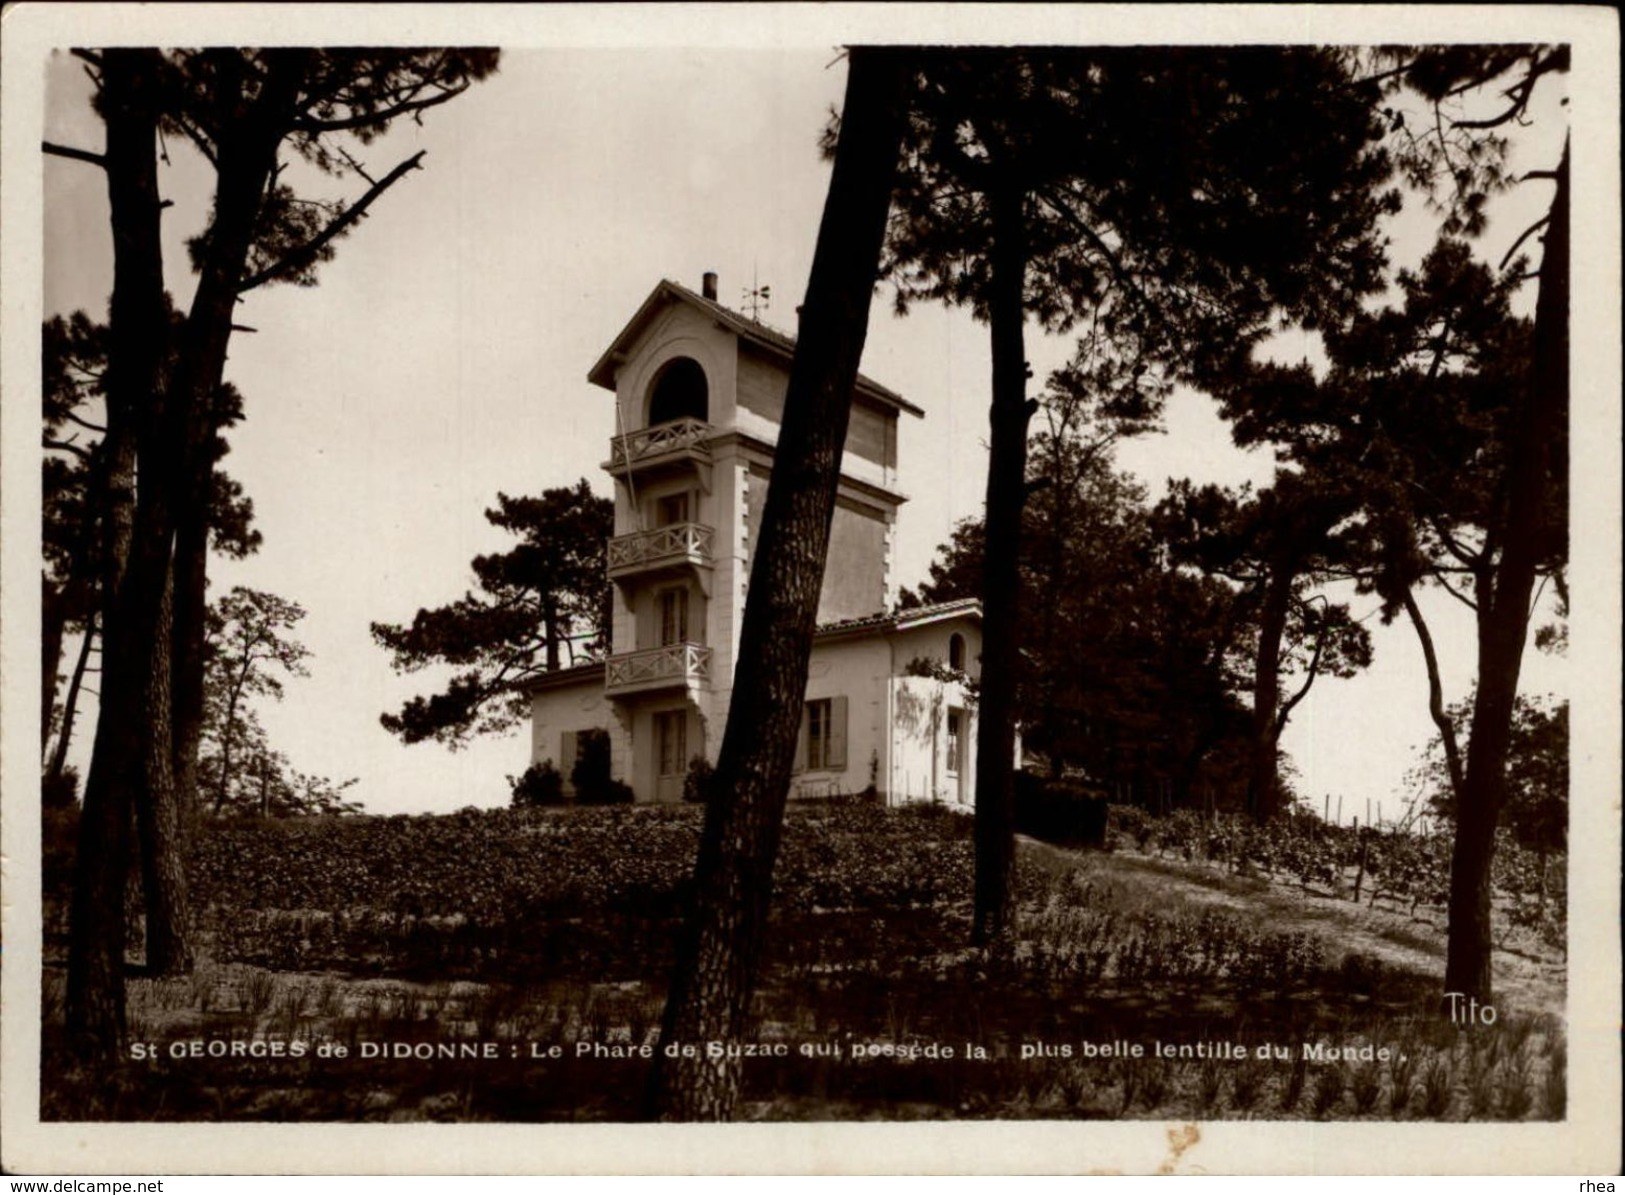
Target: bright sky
(443, 357)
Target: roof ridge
(786, 341)
(881, 617)
(723, 307)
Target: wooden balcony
(650, 449)
(674, 666)
(663, 550)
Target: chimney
(708, 285)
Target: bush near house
(1064, 812)
(540, 785)
(697, 782)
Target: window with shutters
(823, 735)
(818, 734)
(673, 616)
(956, 724)
(671, 741)
(568, 748)
(673, 508)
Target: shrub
(540, 785)
(697, 783)
(1028, 789)
(1060, 811)
(1132, 821)
(606, 792)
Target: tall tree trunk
(137, 341)
(158, 822)
(1263, 778)
(1503, 613)
(715, 975)
(182, 453)
(550, 630)
(1001, 575)
(187, 625)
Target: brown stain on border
(1180, 1140)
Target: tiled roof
(780, 343)
(902, 618)
(575, 674)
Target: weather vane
(758, 298)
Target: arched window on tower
(956, 652)
(679, 392)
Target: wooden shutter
(568, 750)
(835, 734)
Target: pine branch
(302, 256)
(196, 136)
(1518, 94)
(93, 65)
(1436, 710)
(381, 117)
(78, 155)
(1439, 575)
(1524, 236)
(1314, 670)
(1468, 560)
(1128, 281)
(69, 446)
(356, 166)
(84, 423)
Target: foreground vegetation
(507, 965)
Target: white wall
(855, 669)
(930, 642)
(577, 707)
(919, 753)
(679, 331)
(920, 768)
(870, 451)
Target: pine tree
(547, 596)
(1179, 200)
(720, 951)
(242, 110)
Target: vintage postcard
(811, 589)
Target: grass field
(511, 965)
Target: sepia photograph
(928, 590)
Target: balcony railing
(677, 665)
(663, 548)
(687, 436)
